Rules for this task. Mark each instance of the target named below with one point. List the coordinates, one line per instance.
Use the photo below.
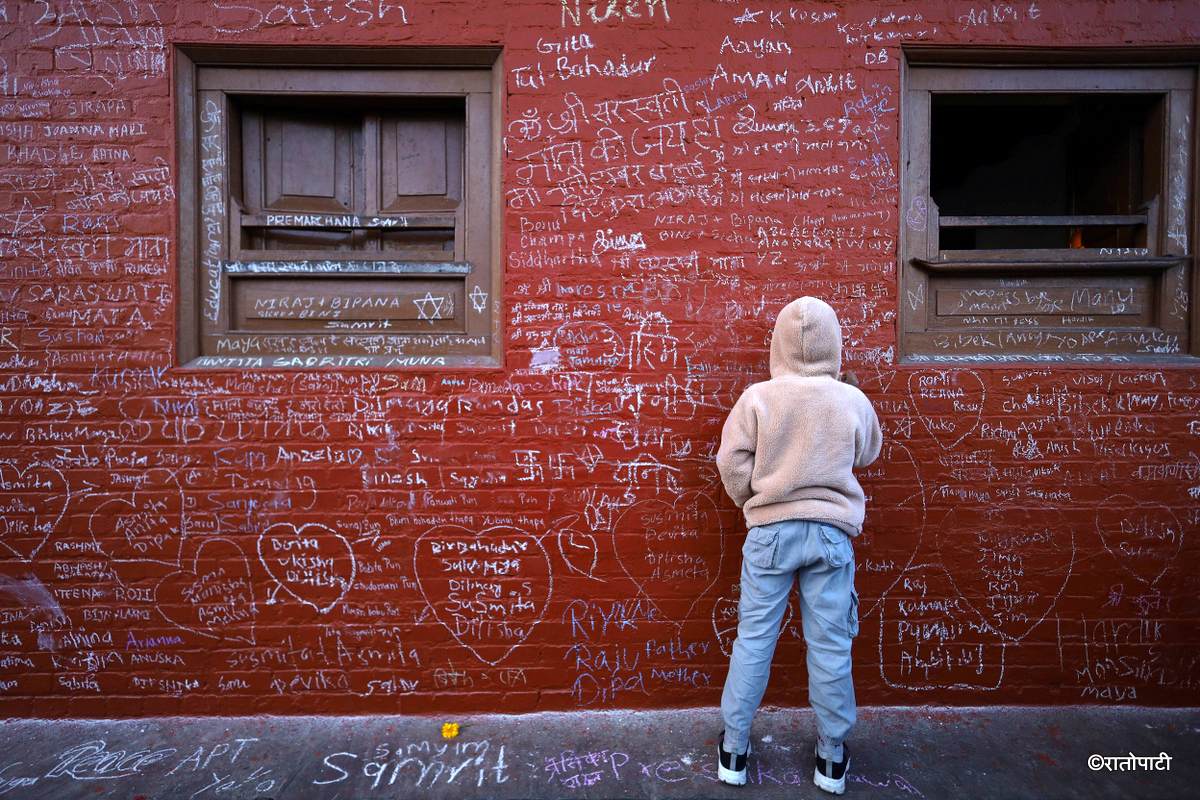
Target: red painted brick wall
(149, 513)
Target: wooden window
(337, 216)
(1047, 211)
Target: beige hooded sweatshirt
(790, 444)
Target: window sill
(280, 361)
(1051, 265)
(1068, 361)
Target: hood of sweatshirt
(807, 340)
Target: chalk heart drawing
(948, 403)
(211, 595)
(33, 500)
(488, 588)
(579, 551)
(1009, 564)
(312, 563)
(894, 524)
(1145, 539)
(145, 525)
(672, 551)
(930, 640)
(725, 621)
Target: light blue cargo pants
(775, 556)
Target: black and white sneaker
(731, 767)
(831, 775)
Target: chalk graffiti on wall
(673, 552)
(553, 531)
(312, 563)
(213, 594)
(36, 497)
(489, 589)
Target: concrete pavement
(909, 753)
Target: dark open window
(1053, 171)
(1048, 212)
(338, 216)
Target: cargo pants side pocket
(762, 542)
(852, 617)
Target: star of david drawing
(430, 307)
(479, 299)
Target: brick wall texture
(553, 534)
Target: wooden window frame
(206, 72)
(1167, 266)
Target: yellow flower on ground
(449, 730)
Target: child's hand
(850, 378)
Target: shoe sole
(729, 776)
(829, 784)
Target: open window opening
(1048, 207)
(1045, 171)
